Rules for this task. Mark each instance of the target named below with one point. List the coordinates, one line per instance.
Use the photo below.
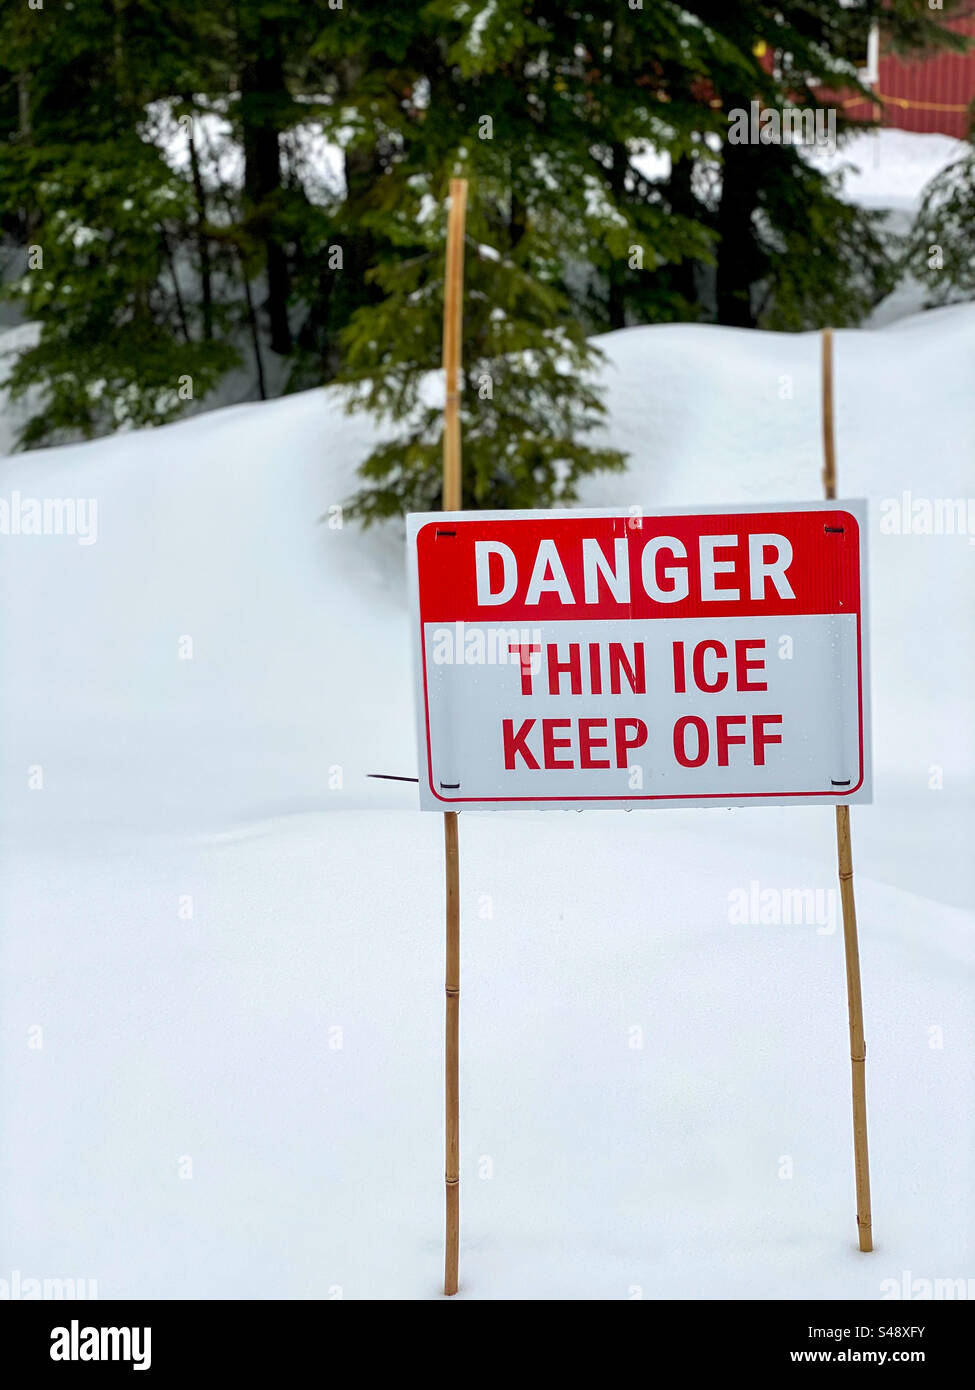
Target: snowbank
(231, 939)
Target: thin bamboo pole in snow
(452, 1058)
(858, 1048)
(452, 324)
(829, 437)
(452, 502)
(844, 850)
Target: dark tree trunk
(680, 196)
(202, 242)
(740, 263)
(255, 335)
(28, 215)
(617, 296)
(363, 170)
(263, 94)
(177, 292)
(518, 225)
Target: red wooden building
(928, 95)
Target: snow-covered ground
(231, 940)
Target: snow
(233, 786)
(479, 26)
(13, 341)
(885, 170)
(888, 169)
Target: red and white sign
(592, 659)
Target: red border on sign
(833, 793)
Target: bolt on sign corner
(585, 659)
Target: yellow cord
(903, 102)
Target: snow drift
(230, 939)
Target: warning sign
(591, 659)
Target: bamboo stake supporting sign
(453, 319)
(452, 501)
(858, 1049)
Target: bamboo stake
(829, 438)
(452, 324)
(858, 1048)
(452, 502)
(452, 1055)
(844, 854)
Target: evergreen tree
(605, 192)
(102, 220)
(791, 253)
(941, 249)
(281, 233)
(119, 345)
(527, 402)
(512, 103)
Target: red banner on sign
(745, 563)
